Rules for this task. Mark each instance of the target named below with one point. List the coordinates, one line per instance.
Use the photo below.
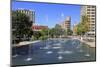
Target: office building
(66, 24)
(29, 13)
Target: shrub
(43, 37)
(33, 38)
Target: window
(93, 6)
(88, 12)
(88, 9)
(88, 6)
(93, 15)
(93, 9)
(92, 12)
(93, 18)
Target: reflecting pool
(53, 51)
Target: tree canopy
(21, 25)
(83, 26)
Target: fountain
(60, 57)
(80, 47)
(87, 55)
(15, 53)
(49, 52)
(68, 52)
(29, 58)
(65, 52)
(56, 47)
(87, 52)
(15, 50)
(46, 43)
(80, 50)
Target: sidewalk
(91, 44)
(26, 43)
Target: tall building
(90, 12)
(29, 13)
(66, 24)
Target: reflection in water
(15, 55)
(46, 47)
(68, 52)
(58, 44)
(49, 52)
(57, 47)
(80, 50)
(65, 50)
(29, 58)
(87, 55)
(15, 51)
(60, 57)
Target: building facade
(66, 24)
(39, 27)
(90, 12)
(29, 13)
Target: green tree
(37, 34)
(85, 22)
(21, 25)
(52, 32)
(45, 32)
(69, 32)
(83, 26)
(79, 29)
(57, 31)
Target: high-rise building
(29, 13)
(90, 12)
(66, 24)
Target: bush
(33, 38)
(43, 37)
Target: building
(39, 27)
(29, 13)
(90, 12)
(66, 24)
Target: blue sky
(50, 14)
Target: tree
(57, 31)
(37, 34)
(45, 32)
(85, 23)
(69, 32)
(83, 26)
(75, 29)
(21, 25)
(79, 29)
